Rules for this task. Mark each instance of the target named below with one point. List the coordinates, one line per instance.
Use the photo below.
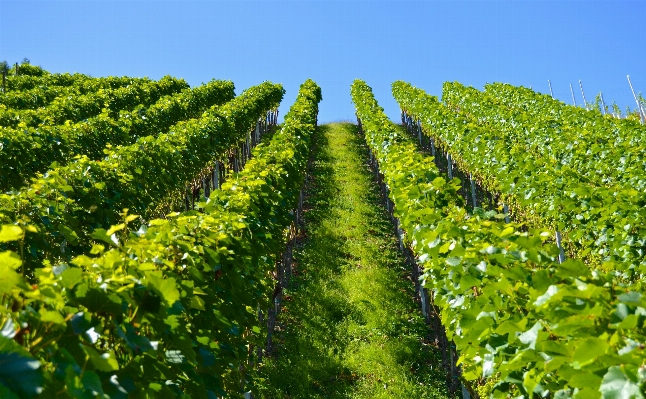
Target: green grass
(350, 327)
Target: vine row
(169, 310)
(27, 152)
(75, 108)
(70, 205)
(523, 323)
(63, 85)
(602, 226)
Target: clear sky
(333, 42)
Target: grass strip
(350, 327)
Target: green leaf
(467, 281)
(98, 301)
(5, 393)
(585, 380)
(89, 386)
(102, 362)
(51, 316)
(10, 233)
(197, 303)
(551, 291)
(488, 365)
(72, 276)
(589, 349)
(530, 336)
(172, 321)
(185, 346)
(507, 327)
(165, 287)
(10, 260)
(19, 372)
(100, 234)
(630, 297)
(617, 385)
(115, 228)
(69, 234)
(453, 261)
(9, 279)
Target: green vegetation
(515, 314)
(85, 195)
(169, 310)
(27, 151)
(566, 182)
(351, 328)
(105, 292)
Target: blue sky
(333, 42)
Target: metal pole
(206, 187)
(450, 165)
(572, 91)
(419, 130)
(465, 392)
(216, 182)
(473, 191)
(550, 84)
(583, 94)
(505, 210)
(603, 104)
(639, 108)
(559, 244)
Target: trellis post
(639, 107)
(583, 95)
(550, 84)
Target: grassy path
(350, 328)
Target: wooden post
(572, 91)
(639, 107)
